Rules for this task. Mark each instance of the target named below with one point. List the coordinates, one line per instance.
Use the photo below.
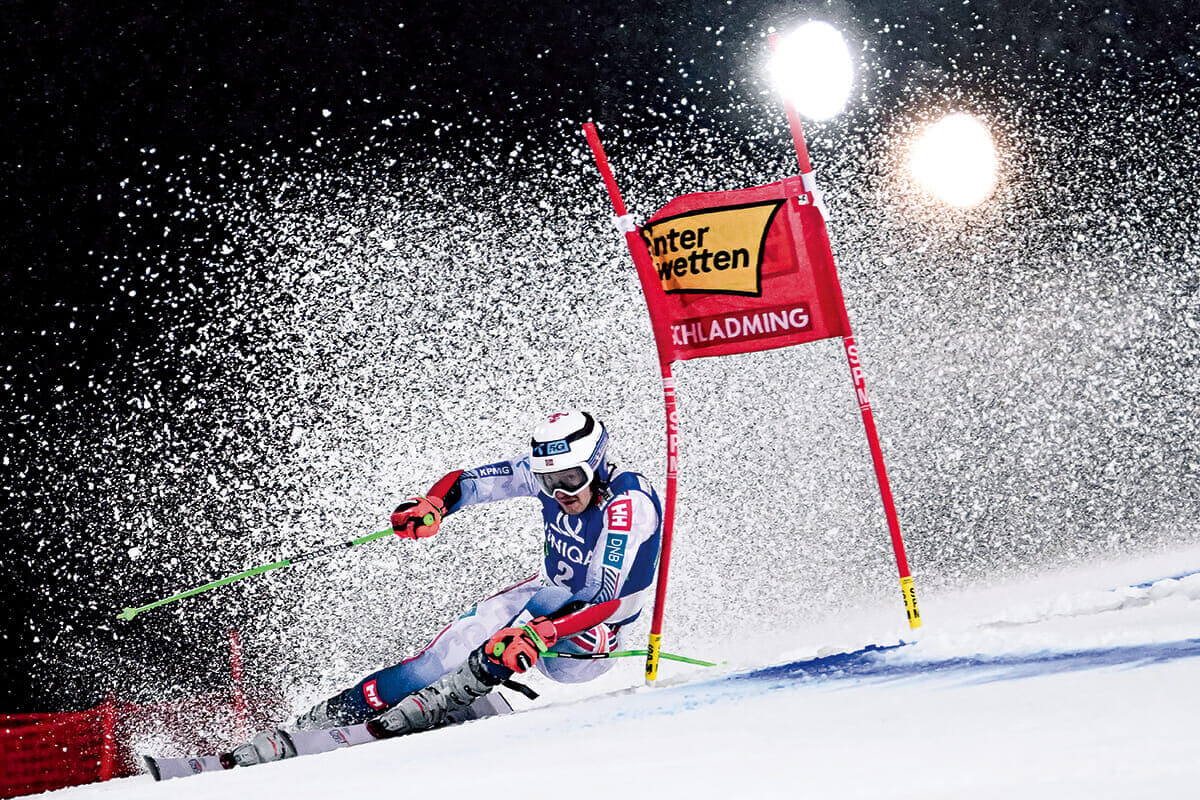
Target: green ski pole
(130, 613)
(627, 653)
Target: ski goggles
(570, 481)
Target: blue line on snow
(1178, 577)
(875, 662)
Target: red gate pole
(647, 276)
(858, 378)
(660, 591)
(241, 716)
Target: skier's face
(574, 503)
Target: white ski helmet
(567, 452)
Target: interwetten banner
(740, 271)
(737, 272)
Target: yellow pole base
(910, 602)
(652, 651)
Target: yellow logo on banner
(717, 251)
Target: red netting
(40, 752)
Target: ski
(309, 742)
(306, 743)
(164, 768)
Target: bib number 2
(565, 573)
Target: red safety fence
(41, 752)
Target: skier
(602, 531)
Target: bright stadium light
(811, 68)
(955, 159)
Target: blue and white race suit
(608, 551)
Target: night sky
(108, 104)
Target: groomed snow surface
(1080, 684)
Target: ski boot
(273, 744)
(436, 705)
(331, 713)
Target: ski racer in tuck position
(602, 531)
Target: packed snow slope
(1076, 684)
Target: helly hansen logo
(614, 549)
(620, 515)
(371, 694)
